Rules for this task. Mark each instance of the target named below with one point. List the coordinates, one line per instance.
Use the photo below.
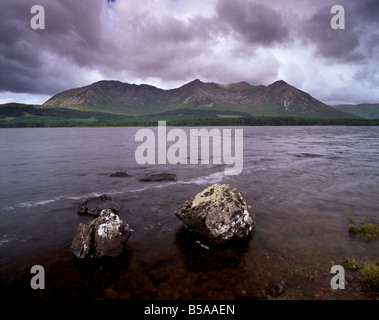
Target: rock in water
(118, 174)
(218, 213)
(104, 236)
(275, 288)
(159, 177)
(94, 205)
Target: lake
(301, 185)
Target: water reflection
(199, 255)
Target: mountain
(364, 110)
(277, 99)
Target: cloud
(170, 42)
(367, 11)
(255, 23)
(71, 37)
(354, 44)
(340, 44)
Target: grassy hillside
(21, 115)
(364, 110)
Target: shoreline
(130, 278)
(185, 122)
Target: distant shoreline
(41, 122)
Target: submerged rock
(118, 174)
(159, 177)
(94, 205)
(218, 213)
(104, 236)
(275, 288)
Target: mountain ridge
(276, 99)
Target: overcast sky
(171, 42)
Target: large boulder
(94, 205)
(218, 214)
(104, 236)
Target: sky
(168, 43)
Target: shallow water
(301, 185)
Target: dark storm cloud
(344, 45)
(142, 45)
(72, 34)
(367, 10)
(147, 46)
(162, 47)
(255, 23)
(175, 42)
(330, 43)
(366, 13)
(13, 49)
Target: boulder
(94, 205)
(158, 177)
(218, 214)
(105, 236)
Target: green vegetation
(370, 276)
(364, 110)
(368, 273)
(29, 116)
(352, 265)
(366, 231)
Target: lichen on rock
(218, 213)
(110, 228)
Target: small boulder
(218, 213)
(105, 236)
(159, 177)
(94, 205)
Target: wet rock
(118, 174)
(94, 205)
(81, 244)
(158, 177)
(104, 236)
(275, 288)
(218, 213)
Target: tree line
(33, 122)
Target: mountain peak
(193, 85)
(279, 83)
(242, 85)
(196, 81)
(106, 82)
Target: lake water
(301, 185)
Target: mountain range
(276, 99)
(116, 103)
